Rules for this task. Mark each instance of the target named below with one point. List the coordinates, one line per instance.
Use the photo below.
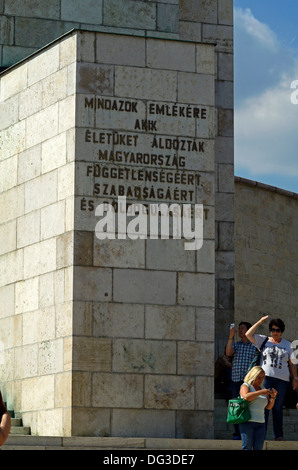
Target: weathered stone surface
(103, 318)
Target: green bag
(238, 411)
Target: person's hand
(232, 332)
(273, 393)
(295, 384)
(263, 319)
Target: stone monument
(107, 321)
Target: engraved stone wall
(117, 321)
(90, 118)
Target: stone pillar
(107, 336)
(115, 337)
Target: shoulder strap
(263, 344)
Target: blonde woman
(253, 432)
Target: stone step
(17, 427)
(16, 430)
(145, 444)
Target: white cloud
(266, 122)
(254, 28)
(266, 133)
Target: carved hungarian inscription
(145, 151)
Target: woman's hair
(253, 374)
(277, 322)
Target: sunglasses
(278, 330)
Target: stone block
(130, 14)
(82, 389)
(11, 267)
(9, 170)
(144, 356)
(42, 125)
(190, 31)
(122, 253)
(91, 354)
(65, 249)
(225, 94)
(195, 425)
(53, 153)
(13, 54)
(116, 320)
(52, 220)
(145, 287)
(26, 295)
(7, 300)
(29, 164)
(169, 255)
(37, 32)
(171, 55)
(81, 315)
(117, 50)
(195, 358)
(169, 392)
(31, 8)
(168, 17)
(26, 361)
(145, 83)
(8, 237)
(205, 59)
(38, 393)
(68, 51)
(63, 389)
(9, 113)
(55, 87)
(92, 283)
(90, 11)
(13, 140)
(30, 101)
(91, 422)
(50, 357)
(40, 258)
(204, 11)
(143, 423)
(196, 289)
(6, 30)
(39, 325)
(95, 78)
(45, 187)
(220, 35)
(14, 83)
(205, 323)
(51, 287)
(170, 323)
(117, 391)
(195, 88)
(225, 12)
(206, 257)
(225, 66)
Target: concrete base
(145, 444)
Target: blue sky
(266, 63)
